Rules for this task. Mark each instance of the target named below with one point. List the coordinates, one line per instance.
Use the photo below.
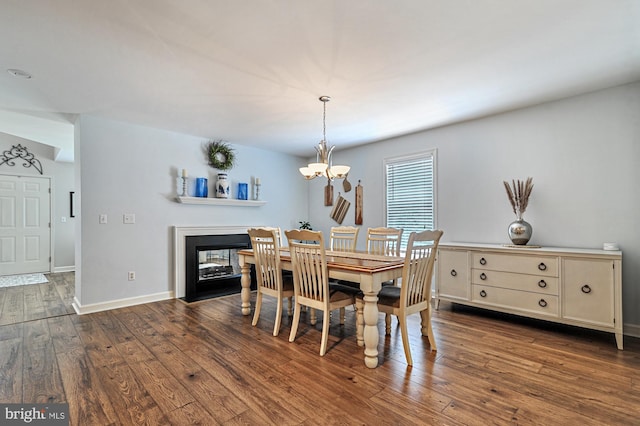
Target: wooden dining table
(367, 269)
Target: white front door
(25, 229)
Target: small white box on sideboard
(579, 287)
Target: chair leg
(342, 315)
(325, 332)
(290, 308)
(402, 319)
(425, 315)
(294, 322)
(256, 314)
(313, 319)
(387, 324)
(276, 325)
(360, 322)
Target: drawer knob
(483, 293)
(542, 284)
(542, 303)
(483, 276)
(586, 289)
(483, 261)
(453, 273)
(542, 266)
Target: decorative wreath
(221, 155)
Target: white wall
(125, 168)
(62, 183)
(583, 154)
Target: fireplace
(206, 261)
(211, 265)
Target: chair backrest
(384, 241)
(418, 267)
(310, 273)
(277, 230)
(344, 238)
(266, 252)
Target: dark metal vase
(520, 232)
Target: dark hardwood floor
(203, 363)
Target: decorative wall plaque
(19, 152)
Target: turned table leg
(371, 336)
(245, 281)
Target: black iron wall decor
(20, 152)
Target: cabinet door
(453, 274)
(588, 291)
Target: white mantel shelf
(220, 201)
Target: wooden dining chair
(311, 282)
(384, 241)
(278, 232)
(414, 293)
(344, 238)
(270, 280)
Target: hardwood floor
(203, 363)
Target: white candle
(257, 181)
(184, 173)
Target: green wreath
(221, 155)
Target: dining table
(369, 270)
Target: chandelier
(323, 164)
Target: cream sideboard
(578, 287)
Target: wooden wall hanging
(346, 185)
(340, 209)
(328, 194)
(359, 204)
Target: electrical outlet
(132, 275)
(102, 219)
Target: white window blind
(410, 193)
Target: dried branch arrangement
(518, 194)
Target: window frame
(430, 153)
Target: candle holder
(184, 186)
(257, 186)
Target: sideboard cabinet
(579, 287)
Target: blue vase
(202, 189)
(243, 191)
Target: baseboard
(59, 269)
(632, 330)
(121, 303)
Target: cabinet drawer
(522, 282)
(453, 275)
(533, 265)
(589, 291)
(515, 300)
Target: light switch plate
(129, 218)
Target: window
(410, 193)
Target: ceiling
(250, 71)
